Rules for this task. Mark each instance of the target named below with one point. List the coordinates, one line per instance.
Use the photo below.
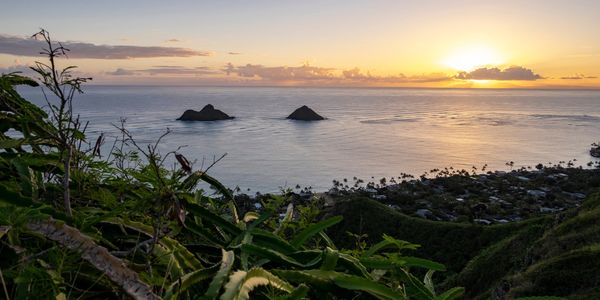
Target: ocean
(369, 133)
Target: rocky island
(208, 113)
(305, 113)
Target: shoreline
(324, 188)
(459, 196)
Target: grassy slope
(566, 259)
(453, 244)
(555, 255)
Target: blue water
(369, 132)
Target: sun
(469, 58)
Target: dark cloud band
(578, 77)
(164, 70)
(31, 47)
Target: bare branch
(215, 162)
(113, 267)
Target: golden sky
(461, 43)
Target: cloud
(511, 73)
(578, 77)
(122, 72)
(234, 53)
(164, 70)
(22, 70)
(282, 73)
(31, 47)
(324, 75)
(173, 41)
(356, 75)
(15, 68)
(25, 70)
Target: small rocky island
(208, 113)
(305, 113)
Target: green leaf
(217, 185)
(299, 293)
(185, 282)
(165, 256)
(25, 177)
(11, 143)
(276, 256)
(289, 213)
(317, 278)
(415, 287)
(353, 265)
(325, 279)
(379, 263)
(327, 240)
(313, 230)
(233, 286)
(217, 282)
(234, 213)
(392, 262)
(216, 220)
(388, 242)
(457, 292)
(330, 258)
(15, 79)
(251, 216)
(241, 283)
(269, 240)
(244, 256)
(181, 253)
(205, 233)
(410, 261)
(8, 195)
(361, 284)
(428, 281)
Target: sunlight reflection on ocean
(369, 132)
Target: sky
(425, 43)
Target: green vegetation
(75, 224)
(556, 255)
(453, 243)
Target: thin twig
(91, 286)
(4, 285)
(215, 162)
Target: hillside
(554, 255)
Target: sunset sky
(425, 43)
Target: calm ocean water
(369, 132)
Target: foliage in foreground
(74, 224)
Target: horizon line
(561, 88)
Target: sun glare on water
(468, 59)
